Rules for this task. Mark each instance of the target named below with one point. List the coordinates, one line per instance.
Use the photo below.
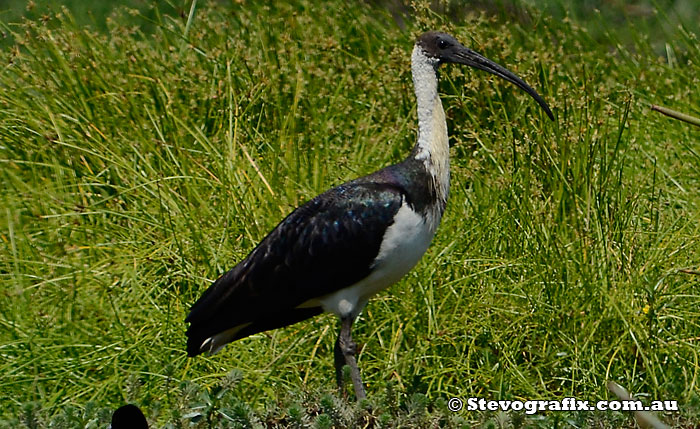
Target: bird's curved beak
(464, 55)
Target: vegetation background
(146, 148)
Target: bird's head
(442, 48)
(128, 416)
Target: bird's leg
(345, 350)
(339, 364)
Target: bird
(334, 252)
(128, 416)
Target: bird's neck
(432, 147)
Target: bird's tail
(199, 341)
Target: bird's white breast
(403, 244)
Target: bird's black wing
(323, 246)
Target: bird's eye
(442, 44)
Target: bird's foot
(345, 352)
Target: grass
(139, 166)
(96, 14)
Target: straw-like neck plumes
(432, 146)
